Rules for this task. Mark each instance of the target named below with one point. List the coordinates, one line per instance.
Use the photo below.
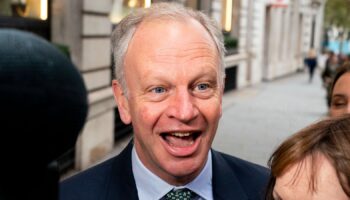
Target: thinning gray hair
(125, 30)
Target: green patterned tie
(181, 194)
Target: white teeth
(181, 134)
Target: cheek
(211, 110)
(211, 113)
(337, 112)
(148, 113)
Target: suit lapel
(122, 185)
(225, 182)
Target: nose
(182, 106)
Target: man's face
(174, 97)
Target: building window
(121, 8)
(34, 9)
(27, 15)
(230, 24)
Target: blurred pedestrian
(339, 93)
(329, 73)
(342, 58)
(322, 59)
(311, 63)
(313, 163)
(169, 85)
(330, 66)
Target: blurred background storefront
(265, 39)
(31, 15)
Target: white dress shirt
(151, 187)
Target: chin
(184, 171)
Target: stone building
(85, 27)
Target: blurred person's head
(313, 163)
(340, 92)
(342, 58)
(330, 53)
(311, 53)
(43, 105)
(334, 60)
(346, 58)
(169, 73)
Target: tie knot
(180, 194)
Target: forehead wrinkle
(168, 55)
(166, 64)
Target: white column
(257, 40)
(319, 27)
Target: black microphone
(43, 107)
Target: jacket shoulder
(112, 179)
(86, 184)
(245, 167)
(251, 177)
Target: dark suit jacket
(113, 179)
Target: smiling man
(169, 81)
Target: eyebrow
(340, 95)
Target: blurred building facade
(266, 39)
(85, 27)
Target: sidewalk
(256, 119)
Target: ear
(122, 102)
(221, 105)
(221, 96)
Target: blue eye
(158, 90)
(202, 86)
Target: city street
(256, 119)
(264, 40)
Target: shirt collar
(202, 184)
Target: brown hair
(340, 71)
(330, 137)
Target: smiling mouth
(180, 139)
